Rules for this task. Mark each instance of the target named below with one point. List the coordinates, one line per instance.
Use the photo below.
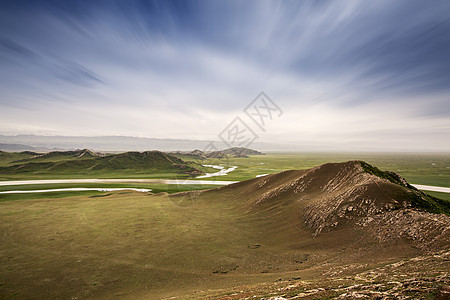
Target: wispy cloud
(353, 71)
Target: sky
(346, 75)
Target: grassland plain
(445, 196)
(123, 244)
(251, 235)
(155, 187)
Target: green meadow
(154, 187)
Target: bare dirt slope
(352, 194)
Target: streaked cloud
(348, 74)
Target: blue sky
(348, 75)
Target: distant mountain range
(40, 143)
(20, 147)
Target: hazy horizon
(346, 75)
(44, 143)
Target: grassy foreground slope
(297, 228)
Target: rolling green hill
(85, 162)
(8, 158)
(230, 152)
(241, 151)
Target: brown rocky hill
(352, 196)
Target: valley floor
(213, 244)
(206, 183)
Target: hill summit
(234, 152)
(351, 195)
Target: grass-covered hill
(85, 162)
(8, 158)
(229, 152)
(13, 158)
(241, 151)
